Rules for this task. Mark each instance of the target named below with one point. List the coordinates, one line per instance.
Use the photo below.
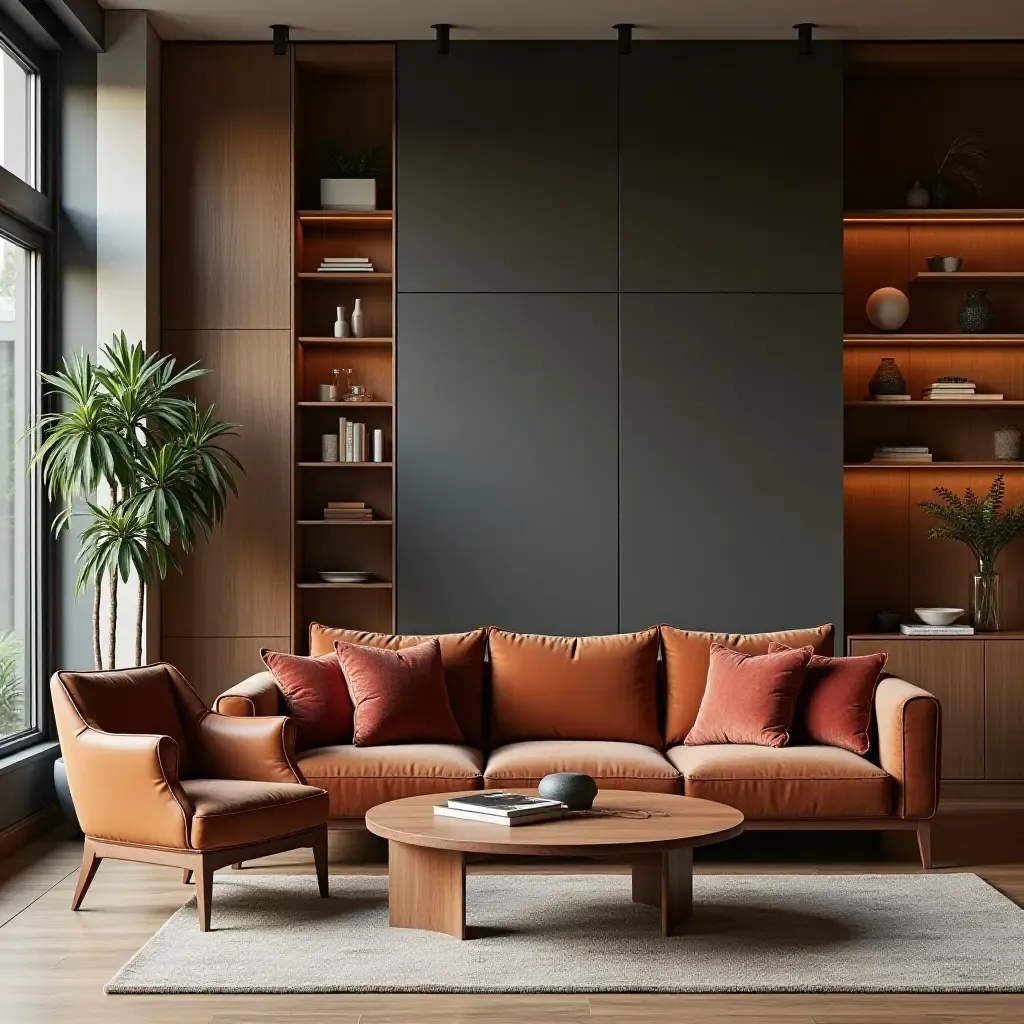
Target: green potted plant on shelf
(349, 180)
(140, 463)
(986, 528)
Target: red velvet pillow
(837, 700)
(399, 696)
(749, 698)
(316, 696)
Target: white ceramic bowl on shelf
(938, 616)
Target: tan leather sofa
(618, 708)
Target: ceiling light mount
(281, 39)
(443, 33)
(805, 36)
(625, 31)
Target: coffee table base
(427, 888)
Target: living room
(523, 499)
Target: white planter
(348, 193)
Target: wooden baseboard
(23, 832)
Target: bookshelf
(344, 97)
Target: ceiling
(583, 19)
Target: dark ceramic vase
(938, 192)
(976, 314)
(574, 789)
(60, 784)
(887, 379)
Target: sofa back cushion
(461, 653)
(687, 656)
(574, 688)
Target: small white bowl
(938, 616)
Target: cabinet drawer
(1004, 709)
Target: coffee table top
(674, 821)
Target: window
(19, 110)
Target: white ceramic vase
(358, 320)
(340, 327)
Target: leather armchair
(156, 776)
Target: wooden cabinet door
(953, 670)
(1004, 709)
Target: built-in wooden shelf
(1007, 634)
(348, 218)
(934, 465)
(355, 342)
(967, 276)
(926, 340)
(939, 403)
(345, 405)
(372, 277)
(934, 215)
(343, 522)
(344, 465)
(344, 586)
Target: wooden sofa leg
(237, 867)
(90, 862)
(186, 876)
(204, 894)
(924, 843)
(320, 859)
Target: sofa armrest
(910, 745)
(257, 696)
(251, 749)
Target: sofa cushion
(687, 655)
(399, 696)
(463, 657)
(785, 782)
(749, 698)
(232, 813)
(358, 778)
(574, 688)
(315, 696)
(613, 765)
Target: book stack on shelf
(902, 454)
(345, 265)
(497, 807)
(348, 511)
(355, 444)
(956, 389)
(916, 629)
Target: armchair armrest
(253, 697)
(910, 745)
(252, 749)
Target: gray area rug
(582, 933)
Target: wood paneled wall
(226, 304)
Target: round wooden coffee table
(427, 854)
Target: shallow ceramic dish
(938, 616)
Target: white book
(345, 259)
(500, 802)
(498, 819)
(349, 436)
(357, 442)
(342, 426)
(916, 630)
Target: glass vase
(985, 601)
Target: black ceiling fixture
(281, 39)
(444, 38)
(625, 31)
(804, 34)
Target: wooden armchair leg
(186, 876)
(90, 862)
(320, 859)
(237, 867)
(204, 894)
(924, 843)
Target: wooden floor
(53, 963)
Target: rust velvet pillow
(749, 698)
(399, 696)
(316, 696)
(837, 700)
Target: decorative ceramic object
(938, 616)
(348, 194)
(60, 784)
(977, 313)
(358, 320)
(328, 447)
(917, 197)
(938, 192)
(340, 327)
(378, 445)
(944, 264)
(326, 393)
(887, 379)
(574, 789)
(888, 622)
(888, 309)
(1006, 443)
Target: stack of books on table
(348, 511)
(496, 807)
(902, 454)
(915, 629)
(345, 265)
(956, 389)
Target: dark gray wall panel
(507, 167)
(507, 463)
(731, 168)
(731, 461)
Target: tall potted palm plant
(146, 462)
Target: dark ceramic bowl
(575, 789)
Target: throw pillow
(399, 696)
(837, 700)
(749, 698)
(316, 697)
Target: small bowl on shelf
(938, 616)
(944, 264)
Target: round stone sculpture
(575, 789)
(888, 309)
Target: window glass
(20, 124)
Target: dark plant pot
(938, 190)
(575, 789)
(977, 314)
(60, 784)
